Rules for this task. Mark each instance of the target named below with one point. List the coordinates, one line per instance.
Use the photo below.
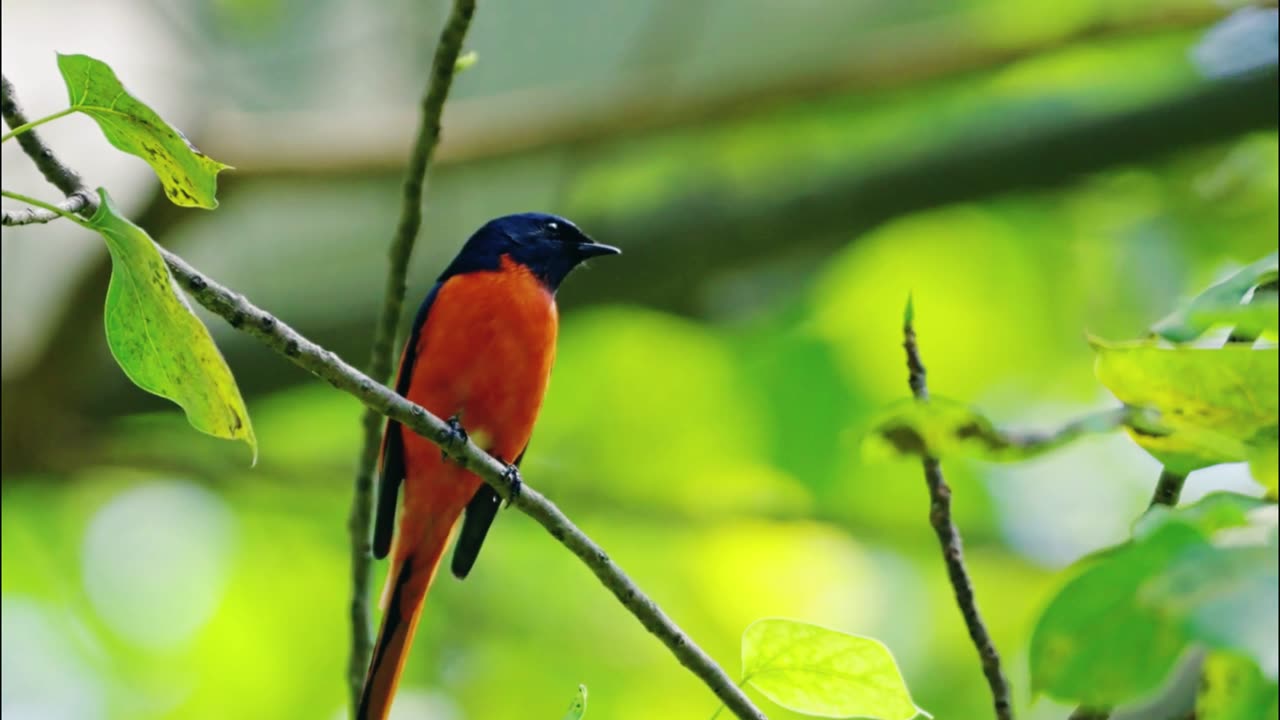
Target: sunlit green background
(712, 384)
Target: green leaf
(816, 671)
(944, 428)
(189, 177)
(1095, 644)
(578, 707)
(1216, 405)
(158, 342)
(1214, 512)
(1226, 597)
(1231, 688)
(1201, 575)
(1217, 304)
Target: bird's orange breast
(484, 354)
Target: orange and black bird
(480, 354)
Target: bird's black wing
(475, 525)
(392, 474)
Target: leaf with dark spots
(156, 339)
(133, 127)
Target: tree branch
(443, 67)
(952, 547)
(326, 365)
(29, 216)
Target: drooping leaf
(1220, 303)
(1231, 688)
(189, 177)
(1216, 404)
(158, 342)
(817, 671)
(578, 707)
(944, 428)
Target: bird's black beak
(595, 249)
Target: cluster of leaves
(1202, 576)
(153, 334)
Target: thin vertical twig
(443, 68)
(949, 538)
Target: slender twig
(442, 71)
(325, 364)
(952, 547)
(30, 216)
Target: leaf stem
(35, 123)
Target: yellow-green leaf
(817, 671)
(578, 707)
(1216, 405)
(158, 342)
(190, 178)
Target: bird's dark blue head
(548, 245)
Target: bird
(479, 353)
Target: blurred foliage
(147, 573)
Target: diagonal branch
(443, 67)
(949, 537)
(326, 365)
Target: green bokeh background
(703, 428)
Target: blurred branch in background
(519, 122)
(443, 66)
(949, 538)
(834, 205)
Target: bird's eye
(553, 226)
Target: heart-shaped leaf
(817, 671)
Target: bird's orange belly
(485, 356)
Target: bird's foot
(511, 477)
(453, 438)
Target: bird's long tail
(407, 585)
